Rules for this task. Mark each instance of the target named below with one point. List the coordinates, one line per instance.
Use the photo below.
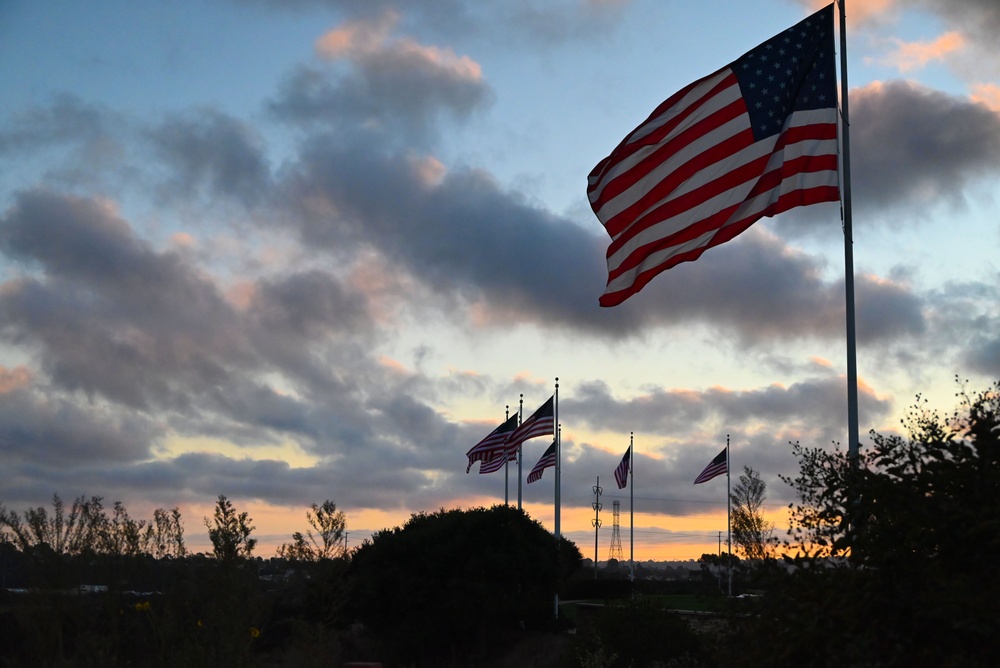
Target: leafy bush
(451, 587)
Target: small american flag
(754, 139)
(548, 459)
(717, 466)
(539, 423)
(493, 444)
(621, 473)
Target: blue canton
(793, 71)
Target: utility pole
(597, 519)
(719, 570)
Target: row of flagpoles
(504, 444)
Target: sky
(298, 250)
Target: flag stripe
(754, 139)
(673, 163)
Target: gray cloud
(112, 316)
(391, 87)
(912, 146)
(208, 153)
(980, 18)
(757, 290)
(509, 22)
(816, 406)
(67, 119)
(465, 233)
(53, 432)
(965, 326)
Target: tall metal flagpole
(853, 437)
(506, 467)
(519, 454)
(558, 430)
(729, 519)
(631, 506)
(555, 418)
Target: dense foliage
(895, 554)
(451, 586)
(636, 634)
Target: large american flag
(621, 473)
(754, 139)
(717, 466)
(548, 459)
(493, 445)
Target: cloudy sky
(296, 250)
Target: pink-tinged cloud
(910, 56)
(13, 379)
(859, 13)
(371, 42)
(987, 94)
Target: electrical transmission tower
(597, 505)
(616, 536)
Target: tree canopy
(458, 580)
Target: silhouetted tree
(327, 542)
(230, 532)
(64, 531)
(752, 533)
(165, 534)
(458, 581)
